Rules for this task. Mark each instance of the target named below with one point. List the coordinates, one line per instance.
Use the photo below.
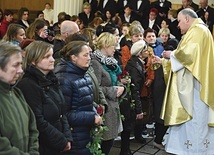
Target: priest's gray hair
(189, 12)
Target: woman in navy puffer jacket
(77, 89)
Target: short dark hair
(149, 30)
(8, 12)
(166, 20)
(21, 12)
(39, 13)
(109, 27)
(127, 6)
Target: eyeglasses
(145, 49)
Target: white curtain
(71, 7)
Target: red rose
(100, 110)
(125, 73)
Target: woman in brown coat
(106, 69)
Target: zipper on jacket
(21, 120)
(10, 93)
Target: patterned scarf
(104, 59)
(109, 64)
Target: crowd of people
(103, 67)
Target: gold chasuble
(196, 53)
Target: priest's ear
(187, 19)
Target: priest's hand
(156, 59)
(166, 54)
(139, 116)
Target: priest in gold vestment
(188, 106)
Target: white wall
(71, 7)
(195, 1)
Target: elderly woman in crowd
(136, 34)
(41, 91)
(18, 133)
(135, 68)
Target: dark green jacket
(18, 133)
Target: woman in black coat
(41, 91)
(137, 72)
(86, 16)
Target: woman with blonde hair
(86, 16)
(106, 70)
(164, 35)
